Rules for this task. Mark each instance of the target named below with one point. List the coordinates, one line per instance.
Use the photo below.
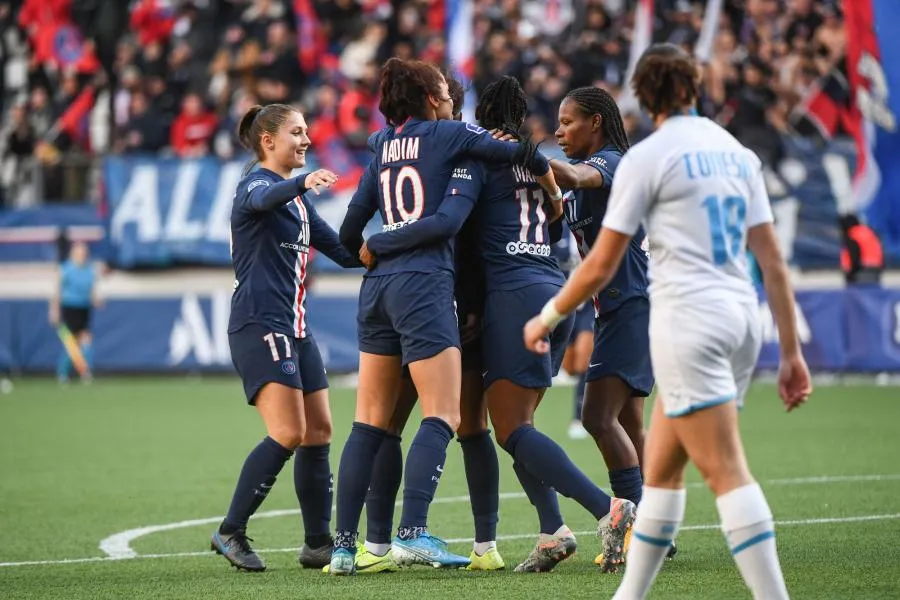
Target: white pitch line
(517, 536)
(118, 545)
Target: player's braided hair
(666, 80)
(405, 85)
(597, 101)
(502, 105)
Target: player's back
(514, 229)
(705, 190)
(413, 164)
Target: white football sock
(377, 549)
(658, 518)
(750, 533)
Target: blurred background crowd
(82, 78)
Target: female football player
(479, 454)
(619, 375)
(520, 275)
(406, 312)
(703, 197)
(272, 229)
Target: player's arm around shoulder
(575, 176)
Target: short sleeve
(600, 164)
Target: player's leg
(631, 418)
(281, 408)
(620, 369)
(480, 461)
(662, 509)
(375, 556)
(378, 387)
(377, 391)
(85, 342)
(424, 315)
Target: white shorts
(703, 355)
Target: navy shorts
(622, 346)
(504, 353)
(262, 356)
(584, 320)
(412, 315)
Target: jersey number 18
(727, 218)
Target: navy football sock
(383, 490)
(483, 477)
(262, 466)
(424, 465)
(543, 499)
(354, 476)
(313, 484)
(627, 483)
(548, 462)
(579, 395)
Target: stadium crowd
(86, 77)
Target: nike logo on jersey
(595, 365)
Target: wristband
(558, 195)
(551, 317)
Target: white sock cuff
(743, 507)
(662, 504)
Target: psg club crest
(289, 367)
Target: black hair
(457, 95)
(597, 101)
(502, 105)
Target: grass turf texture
(83, 463)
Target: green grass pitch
(79, 465)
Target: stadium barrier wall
(164, 211)
(851, 330)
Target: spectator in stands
(146, 131)
(193, 129)
(40, 111)
(18, 144)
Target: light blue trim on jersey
(767, 535)
(662, 543)
(700, 406)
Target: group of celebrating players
(464, 308)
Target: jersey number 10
(397, 201)
(727, 218)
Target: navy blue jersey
(584, 209)
(407, 179)
(514, 237)
(272, 229)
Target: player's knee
(317, 434)
(289, 436)
(598, 423)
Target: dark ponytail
(257, 121)
(405, 86)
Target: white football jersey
(697, 191)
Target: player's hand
(503, 136)
(794, 383)
(556, 210)
(535, 334)
(470, 330)
(321, 179)
(366, 257)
